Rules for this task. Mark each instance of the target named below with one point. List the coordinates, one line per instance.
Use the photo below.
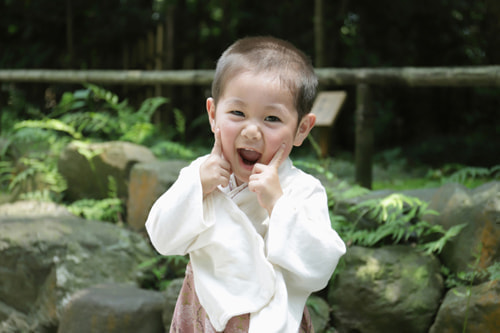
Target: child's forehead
(272, 79)
(271, 83)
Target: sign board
(327, 105)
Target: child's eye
(272, 119)
(237, 113)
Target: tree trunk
(364, 136)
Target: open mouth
(249, 157)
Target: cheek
(227, 139)
(274, 143)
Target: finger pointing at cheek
(217, 149)
(215, 170)
(265, 181)
(278, 157)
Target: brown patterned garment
(190, 317)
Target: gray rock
(171, 295)
(319, 310)
(88, 167)
(111, 308)
(391, 289)
(147, 182)
(44, 259)
(479, 210)
(32, 208)
(479, 304)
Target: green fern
(51, 124)
(399, 219)
(173, 150)
(109, 209)
(315, 167)
(467, 173)
(494, 271)
(36, 178)
(159, 271)
(99, 114)
(180, 123)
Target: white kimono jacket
(243, 260)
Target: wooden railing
(362, 78)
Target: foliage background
(424, 125)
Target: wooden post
(364, 136)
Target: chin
(241, 179)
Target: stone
(319, 310)
(479, 304)
(147, 182)
(32, 208)
(112, 308)
(389, 289)
(171, 295)
(87, 168)
(477, 246)
(46, 256)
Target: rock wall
(49, 259)
(47, 254)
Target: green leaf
(51, 124)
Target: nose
(251, 132)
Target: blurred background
(420, 125)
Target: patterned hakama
(190, 317)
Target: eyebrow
(236, 102)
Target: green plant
(31, 172)
(159, 271)
(465, 175)
(85, 115)
(99, 114)
(108, 209)
(395, 219)
(399, 219)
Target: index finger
(278, 157)
(217, 149)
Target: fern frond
(180, 123)
(468, 173)
(149, 106)
(108, 209)
(51, 124)
(173, 149)
(438, 245)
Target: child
(257, 230)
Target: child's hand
(265, 181)
(215, 170)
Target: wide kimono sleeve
(300, 238)
(177, 218)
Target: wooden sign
(327, 105)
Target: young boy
(257, 230)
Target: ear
(305, 126)
(211, 112)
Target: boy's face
(255, 116)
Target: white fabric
(244, 261)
